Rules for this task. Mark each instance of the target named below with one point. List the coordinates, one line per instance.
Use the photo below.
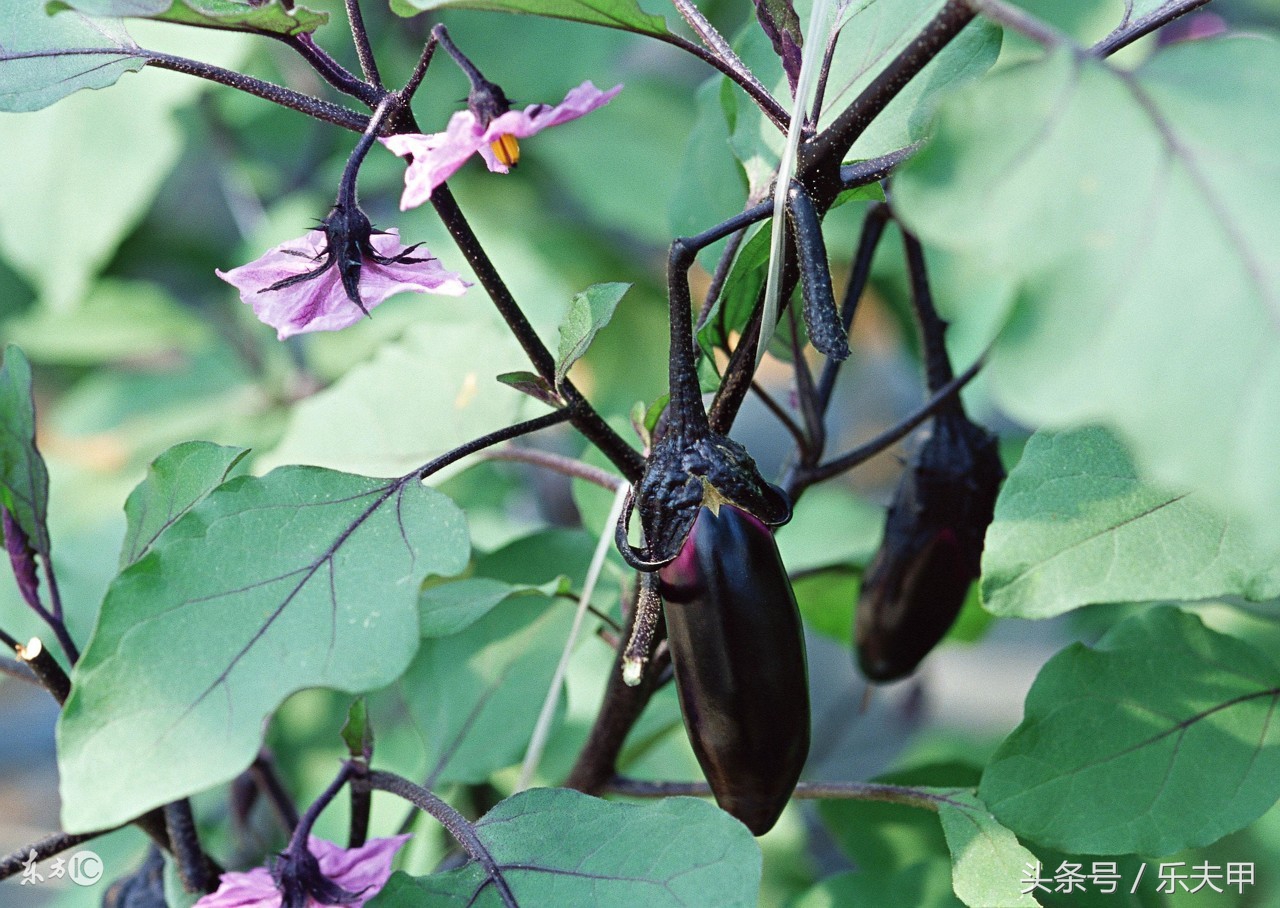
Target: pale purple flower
(362, 870)
(438, 155)
(298, 286)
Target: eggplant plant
(371, 590)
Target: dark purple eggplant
(738, 652)
(932, 548)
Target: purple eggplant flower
(306, 284)
(435, 157)
(357, 873)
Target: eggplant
(737, 648)
(932, 548)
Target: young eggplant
(932, 548)
(738, 652)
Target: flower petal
(537, 117)
(436, 156)
(252, 889)
(320, 303)
(364, 870)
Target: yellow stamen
(506, 149)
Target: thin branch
(1129, 32)
(805, 478)
(853, 791)
(781, 415)
(566, 466)
(521, 428)
(723, 53)
(364, 50)
(420, 69)
(933, 330)
(767, 103)
(458, 826)
(332, 71)
(194, 867)
(584, 416)
(46, 848)
(719, 277)
(263, 772)
(361, 804)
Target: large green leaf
(987, 862)
(35, 67)
(1133, 217)
(923, 885)
(273, 17)
(558, 847)
(60, 159)
(176, 481)
(366, 422)
(474, 696)
(624, 14)
(1159, 738)
(24, 479)
(302, 578)
(1075, 524)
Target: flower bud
(737, 648)
(932, 548)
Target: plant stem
(301, 832)
(521, 428)
(566, 466)
(46, 848)
(933, 330)
(194, 867)
(585, 419)
(1129, 32)
(364, 50)
(264, 775)
(458, 826)
(361, 804)
(767, 103)
(332, 71)
(46, 669)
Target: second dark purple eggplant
(737, 648)
(932, 548)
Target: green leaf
(624, 14)
(301, 578)
(474, 696)
(1135, 232)
(589, 312)
(365, 422)
(357, 731)
(987, 862)
(710, 184)
(1076, 525)
(61, 156)
(559, 847)
(534, 385)
(830, 526)
(24, 479)
(826, 600)
(272, 17)
(119, 320)
(923, 885)
(176, 481)
(1159, 738)
(35, 67)
(446, 608)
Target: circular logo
(84, 868)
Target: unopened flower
(331, 277)
(338, 876)
(479, 129)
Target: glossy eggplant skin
(737, 647)
(932, 548)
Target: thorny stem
(420, 70)
(457, 825)
(332, 71)
(584, 417)
(1129, 32)
(351, 172)
(45, 849)
(194, 867)
(364, 50)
